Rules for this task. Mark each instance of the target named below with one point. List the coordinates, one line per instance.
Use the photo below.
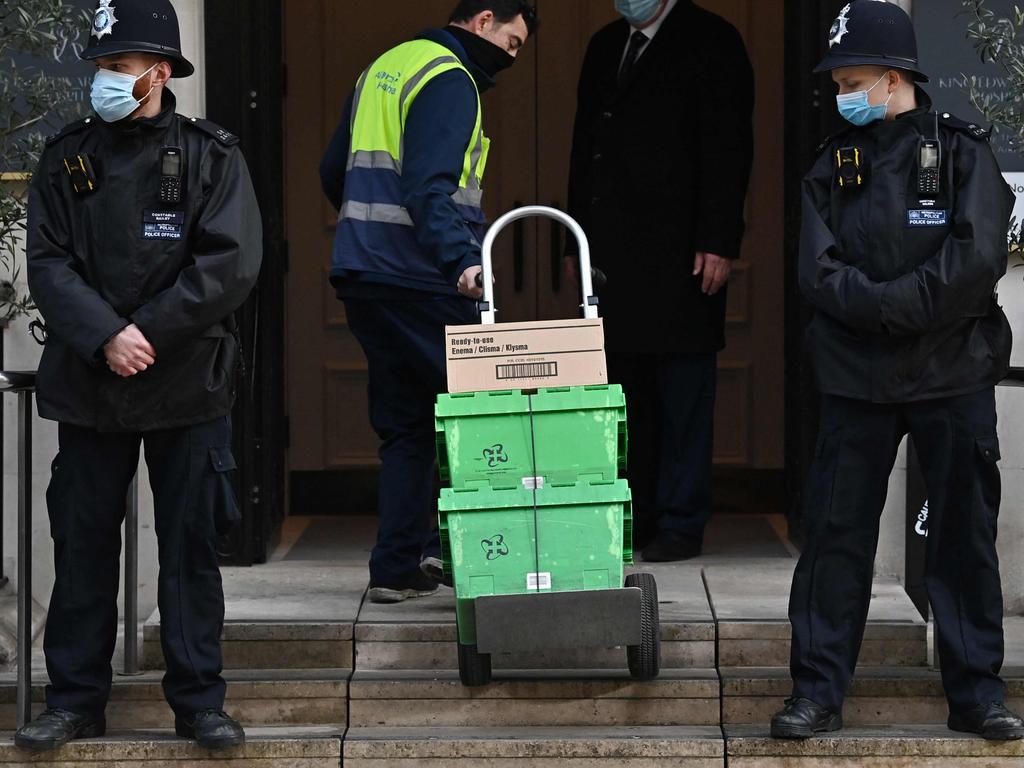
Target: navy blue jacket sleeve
(438, 132)
(335, 160)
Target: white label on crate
(533, 483)
(537, 581)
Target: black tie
(637, 41)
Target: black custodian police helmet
(137, 26)
(872, 32)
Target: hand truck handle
(589, 304)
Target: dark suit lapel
(653, 52)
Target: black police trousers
(958, 449)
(193, 498)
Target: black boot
(802, 718)
(211, 728)
(55, 728)
(991, 721)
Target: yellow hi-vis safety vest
(380, 107)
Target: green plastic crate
(491, 439)
(495, 544)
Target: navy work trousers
(404, 342)
(957, 445)
(189, 473)
(670, 402)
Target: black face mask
(489, 57)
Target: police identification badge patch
(104, 20)
(927, 218)
(162, 225)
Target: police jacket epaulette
(226, 138)
(832, 137)
(70, 128)
(973, 130)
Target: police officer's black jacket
(100, 261)
(904, 290)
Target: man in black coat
(661, 160)
(144, 237)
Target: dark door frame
(810, 118)
(245, 91)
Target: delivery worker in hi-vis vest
(904, 237)
(405, 170)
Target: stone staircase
(322, 678)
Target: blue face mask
(637, 12)
(856, 108)
(111, 94)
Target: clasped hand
(129, 352)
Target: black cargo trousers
(958, 448)
(189, 469)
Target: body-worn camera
(849, 164)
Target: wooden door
(529, 118)
(749, 418)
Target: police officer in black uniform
(144, 237)
(904, 236)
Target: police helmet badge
(104, 20)
(840, 27)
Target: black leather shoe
(211, 728)
(991, 721)
(55, 728)
(802, 718)
(670, 547)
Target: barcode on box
(527, 371)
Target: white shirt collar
(652, 30)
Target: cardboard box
(555, 353)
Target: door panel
(749, 418)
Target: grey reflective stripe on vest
(380, 213)
(378, 161)
(357, 97)
(418, 78)
(473, 198)
(478, 152)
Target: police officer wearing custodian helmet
(144, 237)
(904, 237)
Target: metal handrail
(23, 384)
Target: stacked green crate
(535, 502)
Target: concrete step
(256, 645)
(396, 646)
(269, 747)
(263, 698)
(578, 747)
(282, 616)
(410, 699)
(753, 618)
(895, 746)
(420, 634)
(877, 696)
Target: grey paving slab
(283, 593)
(758, 590)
